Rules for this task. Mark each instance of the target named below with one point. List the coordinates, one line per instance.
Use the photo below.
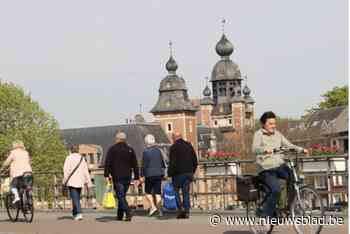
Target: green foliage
(338, 96)
(23, 119)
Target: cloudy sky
(92, 63)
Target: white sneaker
(78, 217)
(152, 211)
(15, 200)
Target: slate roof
(316, 119)
(104, 136)
(225, 69)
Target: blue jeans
(75, 195)
(121, 186)
(271, 178)
(183, 182)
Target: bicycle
(306, 202)
(25, 203)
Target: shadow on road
(65, 218)
(237, 232)
(20, 220)
(106, 219)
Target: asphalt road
(59, 222)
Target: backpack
(169, 198)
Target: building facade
(174, 110)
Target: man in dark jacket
(120, 161)
(182, 166)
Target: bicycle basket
(246, 190)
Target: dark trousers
(271, 178)
(75, 196)
(183, 182)
(121, 186)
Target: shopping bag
(108, 198)
(169, 197)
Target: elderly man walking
(120, 161)
(182, 166)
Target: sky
(92, 63)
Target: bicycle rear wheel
(27, 206)
(12, 209)
(310, 207)
(257, 224)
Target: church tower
(232, 104)
(174, 110)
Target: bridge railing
(214, 187)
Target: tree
(338, 96)
(23, 119)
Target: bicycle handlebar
(284, 150)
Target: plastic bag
(169, 197)
(109, 201)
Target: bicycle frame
(297, 183)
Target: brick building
(226, 106)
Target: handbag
(64, 186)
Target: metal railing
(213, 189)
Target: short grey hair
(149, 139)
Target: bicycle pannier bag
(246, 190)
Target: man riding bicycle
(20, 168)
(270, 163)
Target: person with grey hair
(120, 161)
(19, 162)
(152, 172)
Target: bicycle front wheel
(12, 209)
(308, 208)
(28, 207)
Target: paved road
(57, 223)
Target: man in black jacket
(182, 166)
(120, 161)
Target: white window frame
(318, 184)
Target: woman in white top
(19, 162)
(76, 176)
